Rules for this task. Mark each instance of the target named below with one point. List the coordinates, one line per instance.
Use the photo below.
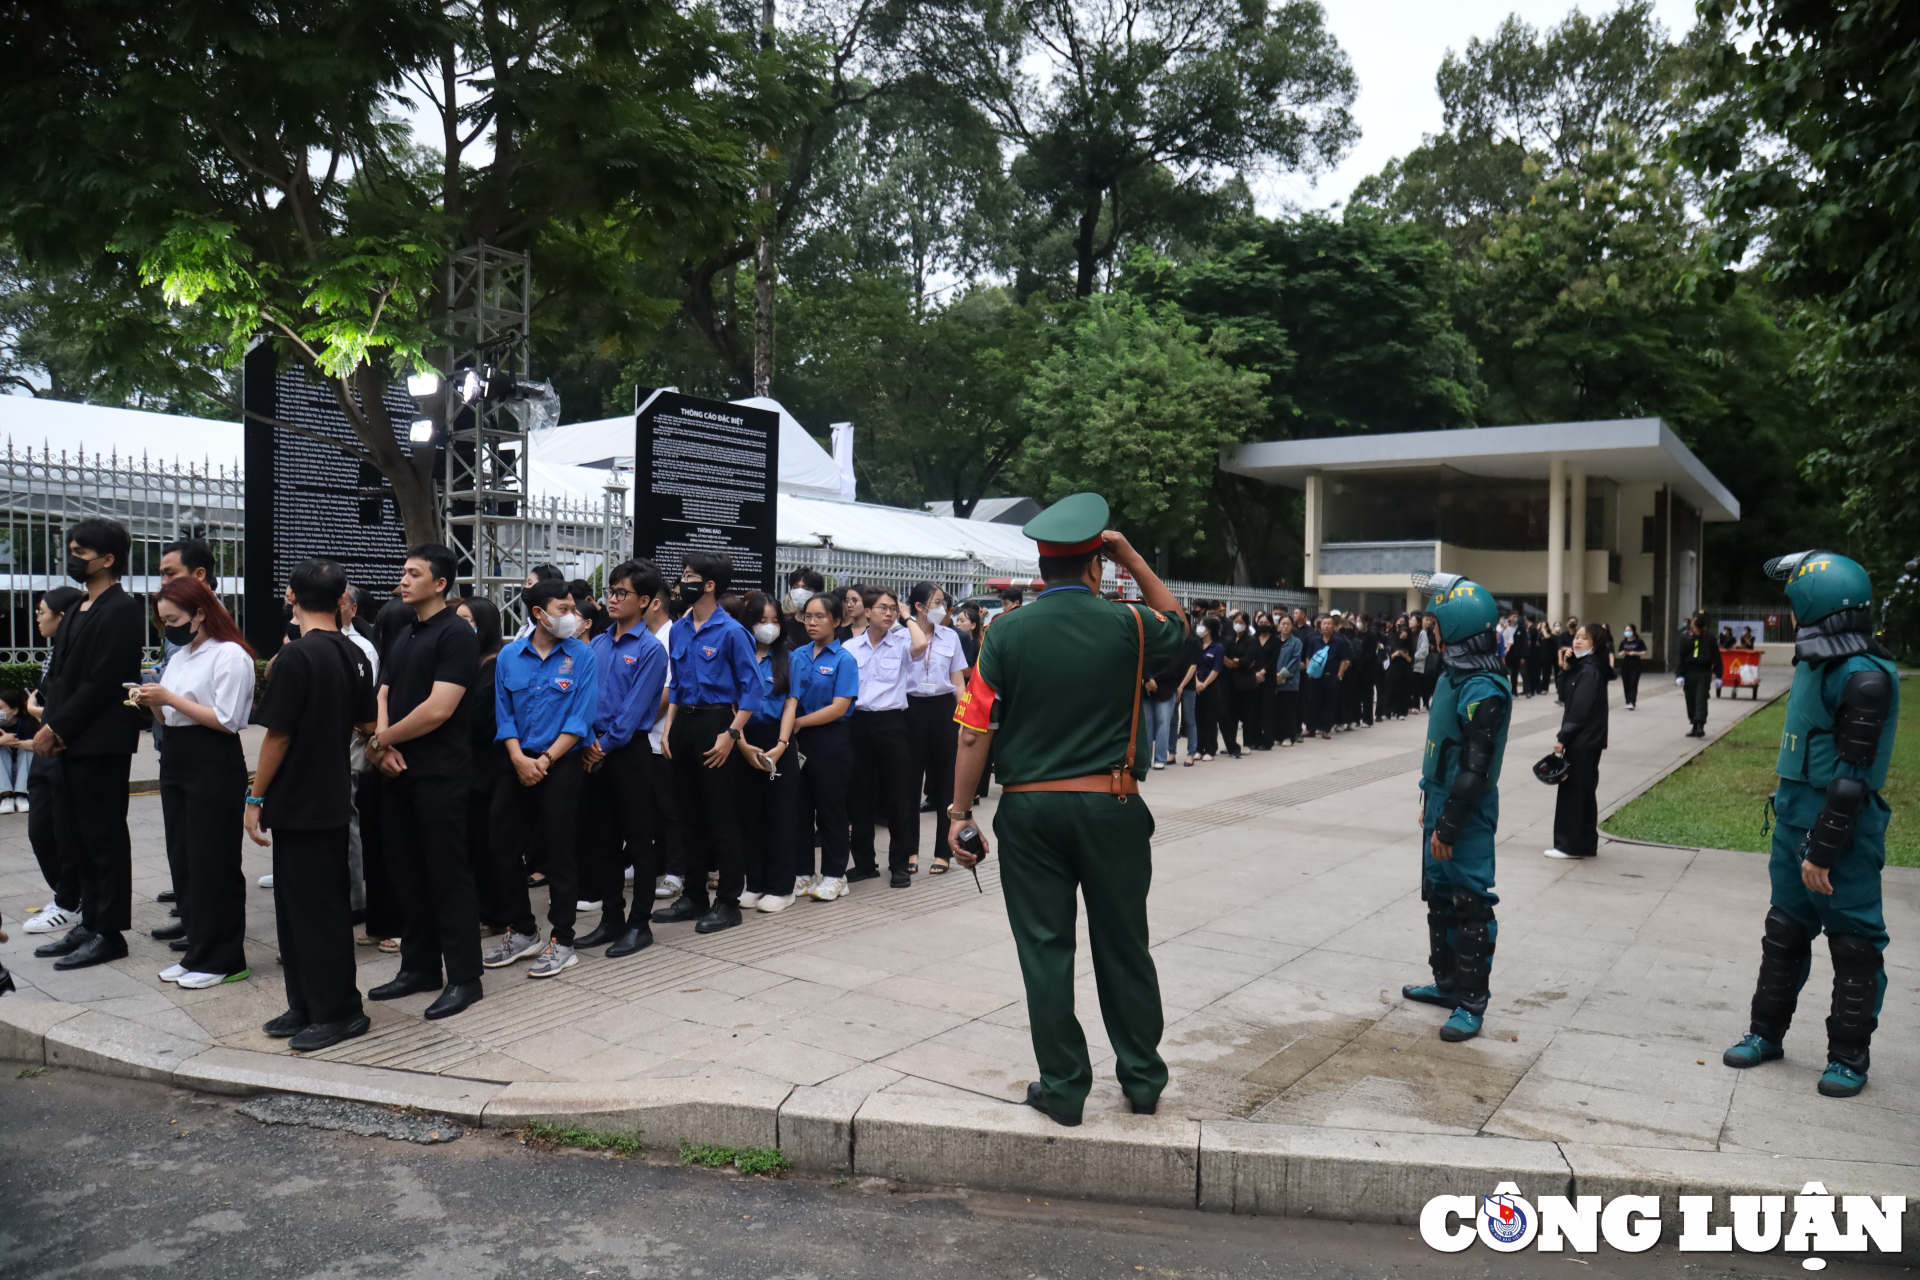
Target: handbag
(1317, 664)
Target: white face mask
(564, 626)
(767, 632)
(1583, 646)
(799, 596)
(1238, 627)
(937, 614)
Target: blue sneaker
(1428, 993)
(1841, 1081)
(1461, 1026)
(1752, 1051)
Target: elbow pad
(1476, 763)
(1833, 829)
(1864, 705)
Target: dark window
(1613, 567)
(1646, 535)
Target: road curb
(1235, 1167)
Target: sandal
(362, 940)
(390, 946)
(939, 867)
(913, 865)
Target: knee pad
(1473, 949)
(1786, 951)
(1785, 938)
(1857, 987)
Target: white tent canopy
(130, 434)
(805, 468)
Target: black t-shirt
(482, 723)
(322, 686)
(443, 649)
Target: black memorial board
(706, 477)
(306, 499)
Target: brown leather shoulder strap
(1139, 674)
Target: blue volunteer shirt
(818, 679)
(713, 663)
(537, 699)
(768, 706)
(632, 670)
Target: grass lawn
(1715, 800)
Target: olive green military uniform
(1056, 681)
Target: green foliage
(573, 1135)
(1134, 404)
(19, 675)
(749, 1160)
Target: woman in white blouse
(208, 697)
(939, 673)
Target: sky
(1396, 46)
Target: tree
(1124, 107)
(1134, 404)
(250, 159)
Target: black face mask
(691, 592)
(180, 634)
(77, 568)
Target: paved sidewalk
(1285, 917)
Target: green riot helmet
(1462, 608)
(1821, 584)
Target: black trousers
(1424, 684)
(1576, 810)
(1260, 731)
(1323, 693)
(313, 908)
(1286, 714)
(1699, 690)
(386, 913)
(882, 781)
(707, 801)
(62, 873)
(496, 911)
(932, 742)
(619, 802)
(90, 821)
(1210, 709)
(1347, 707)
(770, 815)
(824, 786)
(1243, 718)
(546, 814)
(1630, 680)
(424, 824)
(1399, 685)
(203, 785)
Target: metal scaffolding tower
(483, 497)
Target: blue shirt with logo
(768, 706)
(632, 670)
(537, 699)
(818, 679)
(712, 663)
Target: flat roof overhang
(1628, 451)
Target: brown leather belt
(1116, 783)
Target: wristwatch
(733, 733)
(959, 817)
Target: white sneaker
(21, 804)
(198, 981)
(829, 888)
(584, 905)
(173, 973)
(266, 881)
(749, 900)
(803, 885)
(1159, 764)
(667, 887)
(51, 918)
(513, 946)
(6, 804)
(1631, 707)
(1555, 853)
(627, 875)
(770, 902)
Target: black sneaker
(901, 880)
(683, 910)
(723, 916)
(287, 1024)
(324, 1035)
(863, 873)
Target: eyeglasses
(620, 593)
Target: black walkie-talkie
(969, 840)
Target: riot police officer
(1460, 801)
(1830, 840)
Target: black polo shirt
(322, 686)
(441, 649)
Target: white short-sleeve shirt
(935, 671)
(883, 669)
(213, 673)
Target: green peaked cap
(1076, 519)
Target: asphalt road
(103, 1177)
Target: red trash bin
(1740, 669)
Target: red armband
(975, 708)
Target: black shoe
(166, 895)
(1146, 1108)
(600, 935)
(66, 944)
(637, 938)
(168, 932)
(178, 944)
(458, 997)
(1037, 1100)
(863, 873)
(324, 1035)
(6, 981)
(683, 910)
(174, 914)
(404, 984)
(927, 806)
(287, 1024)
(98, 949)
(724, 915)
(901, 880)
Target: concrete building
(1595, 520)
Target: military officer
(1055, 694)
(1830, 840)
(1460, 801)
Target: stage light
(423, 384)
(421, 432)
(472, 387)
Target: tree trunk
(409, 476)
(1083, 250)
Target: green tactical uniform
(1459, 696)
(1843, 711)
(1057, 681)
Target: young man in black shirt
(92, 736)
(321, 691)
(423, 748)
